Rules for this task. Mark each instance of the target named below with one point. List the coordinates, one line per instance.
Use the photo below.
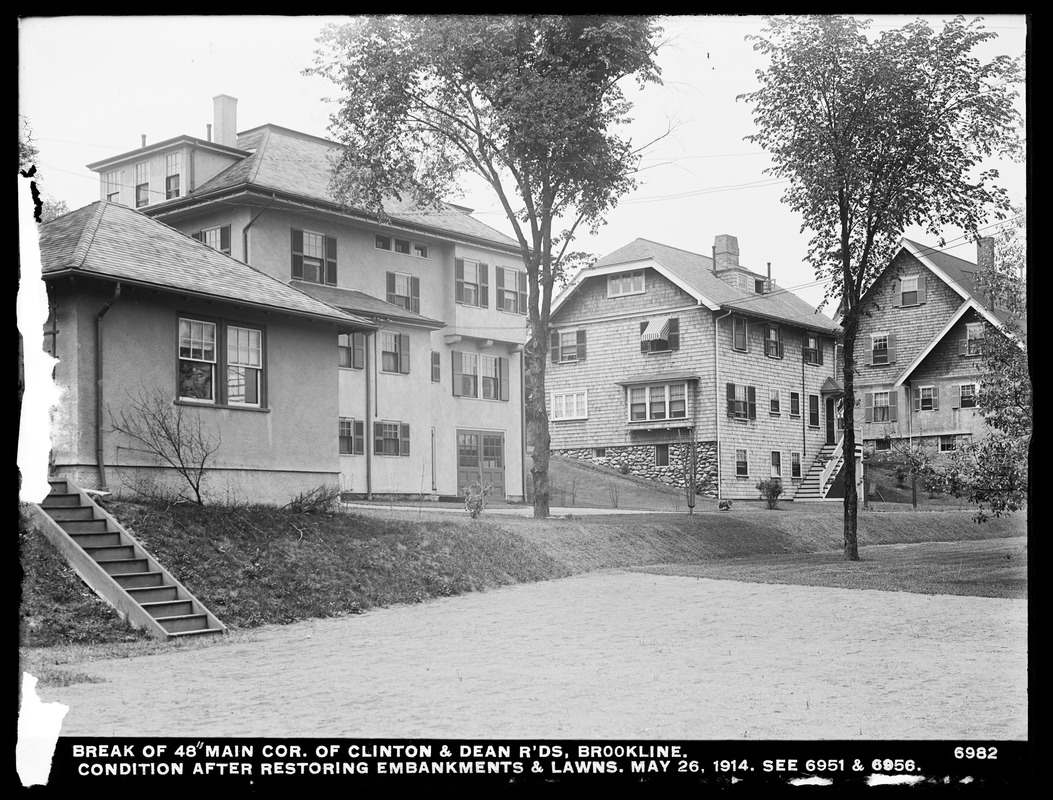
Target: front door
(831, 416)
(481, 457)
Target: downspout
(369, 421)
(245, 230)
(523, 424)
(100, 460)
(716, 389)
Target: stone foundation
(639, 460)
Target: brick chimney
(725, 252)
(225, 113)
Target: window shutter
(297, 254)
(778, 333)
(404, 353)
(921, 289)
(645, 346)
(751, 399)
(581, 345)
(359, 445)
(731, 399)
(330, 260)
(224, 239)
(415, 295)
(499, 272)
(458, 373)
(458, 269)
(674, 334)
(502, 369)
(553, 342)
(897, 297)
(484, 288)
(819, 348)
(391, 287)
(892, 348)
(935, 398)
(893, 404)
(404, 439)
(358, 353)
(956, 396)
(917, 399)
(521, 281)
(870, 353)
(378, 438)
(198, 236)
(868, 407)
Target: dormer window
(113, 186)
(173, 168)
(142, 184)
(625, 283)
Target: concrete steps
(117, 567)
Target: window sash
(879, 347)
(741, 462)
(882, 409)
(926, 394)
(658, 402)
(626, 283)
(795, 404)
(738, 325)
(795, 465)
(200, 361)
(813, 410)
(569, 405)
(909, 291)
(776, 464)
(968, 395)
(389, 351)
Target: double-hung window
(113, 186)
(742, 467)
(926, 398)
(813, 410)
(775, 402)
(404, 290)
(490, 377)
(394, 352)
(480, 375)
(352, 348)
(795, 465)
(567, 346)
(879, 348)
(511, 290)
(773, 341)
(472, 287)
(625, 283)
(391, 438)
(742, 401)
(216, 238)
(972, 339)
(910, 290)
(203, 358)
(569, 405)
(173, 168)
(882, 410)
(142, 184)
(967, 395)
(658, 402)
(776, 464)
(795, 404)
(812, 350)
(738, 333)
(352, 436)
(313, 257)
(402, 246)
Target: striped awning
(656, 329)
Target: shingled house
(428, 399)
(661, 357)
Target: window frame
(399, 353)
(795, 400)
(886, 415)
(920, 398)
(558, 403)
(776, 464)
(352, 350)
(220, 233)
(815, 413)
(972, 344)
(382, 440)
(741, 405)
(177, 159)
(973, 395)
(411, 283)
(775, 402)
(795, 465)
(326, 263)
(773, 347)
(381, 242)
(420, 250)
(112, 180)
(651, 398)
(142, 184)
(355, 436)
(472, 293)
(812, 354)
(875, 339)
(903, 291)
(619, 278)
(221, 363)
(669, 344)
(518, 294)
(736, 321)
(661, 461)
(742, 462)
(950, 439)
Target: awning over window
(656, 329)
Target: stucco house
(427, 399)
(140, 312)
(661, 357)
(917, 350)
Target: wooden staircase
(822, 474)
(117, 567)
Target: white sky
(91, 86)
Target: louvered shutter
(378, 438)
(484, 286)
(297, 254)
(921, 289)
(645, 346)
(674, 334)
(415, 295)
(521, 285)
(581, 345)
(893, 405)
(358, 353)
(917, 399)
(868, 407)
(935, 398)
(897, 296)
(404, 439)
(330, 260)
(458, 373)
(956, 396)
(553, 342)
(359, 445)
(778, 333)
(458, 269)
(819, 346)
(404, 353)
(751, 399)
(224, 239)
(870, 353)
(391, 287)
(502, 369)
(731, 399)
(892, 348)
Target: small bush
(725, 505)
(475, 498)
(323, 499)
(770, 490)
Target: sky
(91, 87)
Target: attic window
(625, 283)
(758, 285)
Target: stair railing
(831, 465)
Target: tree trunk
(851, 495)
(536, 355)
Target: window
(882, 410)
(795, 465)
(661, 455)
(966, 395)
(142, 184)
(420, 250)
(883, 444)
(911, 291)
(742, 401)
(352, 436)
(926, 398)
(774, 402)
(352, 349)
(599, 452)
(776, 464)
(511, 290)
(569, 405)
(625, 283)
(402, 246)
(795, 404)
(404, 291)
(660, 335)
(472, 283)
(741, 463)
(773, 341)
(216, 238)
(391, 438)
(971, 340)
(173, 167)
(758, 285)
(567, 346)
(812, 349)
(436, 366)
(113, 186)
(480, 375)
(313, 257)
(382, 242)
(202, 357)
(738, 333)
(813, 410)
(948, 443)
(658, 402)
(879, 348)
(394, 352)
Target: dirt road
(613, 655)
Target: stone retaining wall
(639, 460)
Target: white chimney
(225, 110)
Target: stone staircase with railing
(117, 567)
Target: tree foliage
(876, 134)
(530, 104)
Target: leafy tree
(877, 134)
(27, 149)
(529, 104)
